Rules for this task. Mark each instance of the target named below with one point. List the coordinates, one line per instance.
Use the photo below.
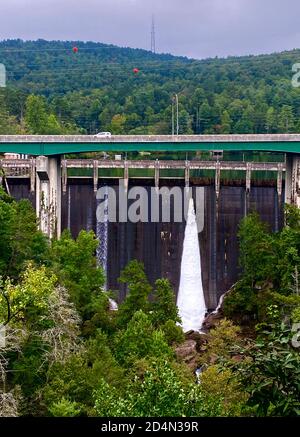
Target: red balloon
(136, 70)
(75, 49)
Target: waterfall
(102, 236)
(190, 302)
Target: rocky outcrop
(187, 352)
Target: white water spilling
(102, 250)
(102, 235)
(190, 301)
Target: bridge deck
(59, 145)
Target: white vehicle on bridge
(103, 134)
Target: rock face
(187, 352)
(212, 319)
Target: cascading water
(191, 302)
(102, 236)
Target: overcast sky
(194, 28)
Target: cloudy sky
(195, 28)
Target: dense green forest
(96, 89)
(64, 352)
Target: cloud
(196, 28)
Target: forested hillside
(128, 91)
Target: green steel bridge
(49, 145)
(49, 170)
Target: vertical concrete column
(95, 175)
(156, 175)
(55, 196)
(292, 180)
(288, 178)
(279, 180)
(32, 175)
(126, 175)
(48, 195)
(187, 174)
(248, 177)
(217, 180)
(64, 176)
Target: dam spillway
(191, 300)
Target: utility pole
(173, 116)
(175, 101)
(177, 114)
(153, 42)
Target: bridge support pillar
(292, 180)
(187, 174)
(126, 176)
(279, 180)
(64, 176)
(156, 175)
(248, 177)
(95, 175)
(218, 180)
(48, 195)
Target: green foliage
(164, 306)
(221, 394)
(234, 96)
(138, 290)
(270, 267)
(140, 340)
(173, 333)
(75, 265)
(20, 240)
(80, 375)
(160, 391)
(256, 251)
(39, 121)
(28, 369)
(271, 373)
(28, 299)
(65, 408)
(223, 339)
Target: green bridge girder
(59, 145)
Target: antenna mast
(153, 45)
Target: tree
(117, 125)
(271, 121)
(226, 123)
(36, 117)
(164, 307)
(286, 119)
(20, 239)
(75, 265)
(140, 340)
(271, 372)
(138, 291)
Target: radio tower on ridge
(153, 44)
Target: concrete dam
(64, 194)
(160, 245)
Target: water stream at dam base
(191, 300)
